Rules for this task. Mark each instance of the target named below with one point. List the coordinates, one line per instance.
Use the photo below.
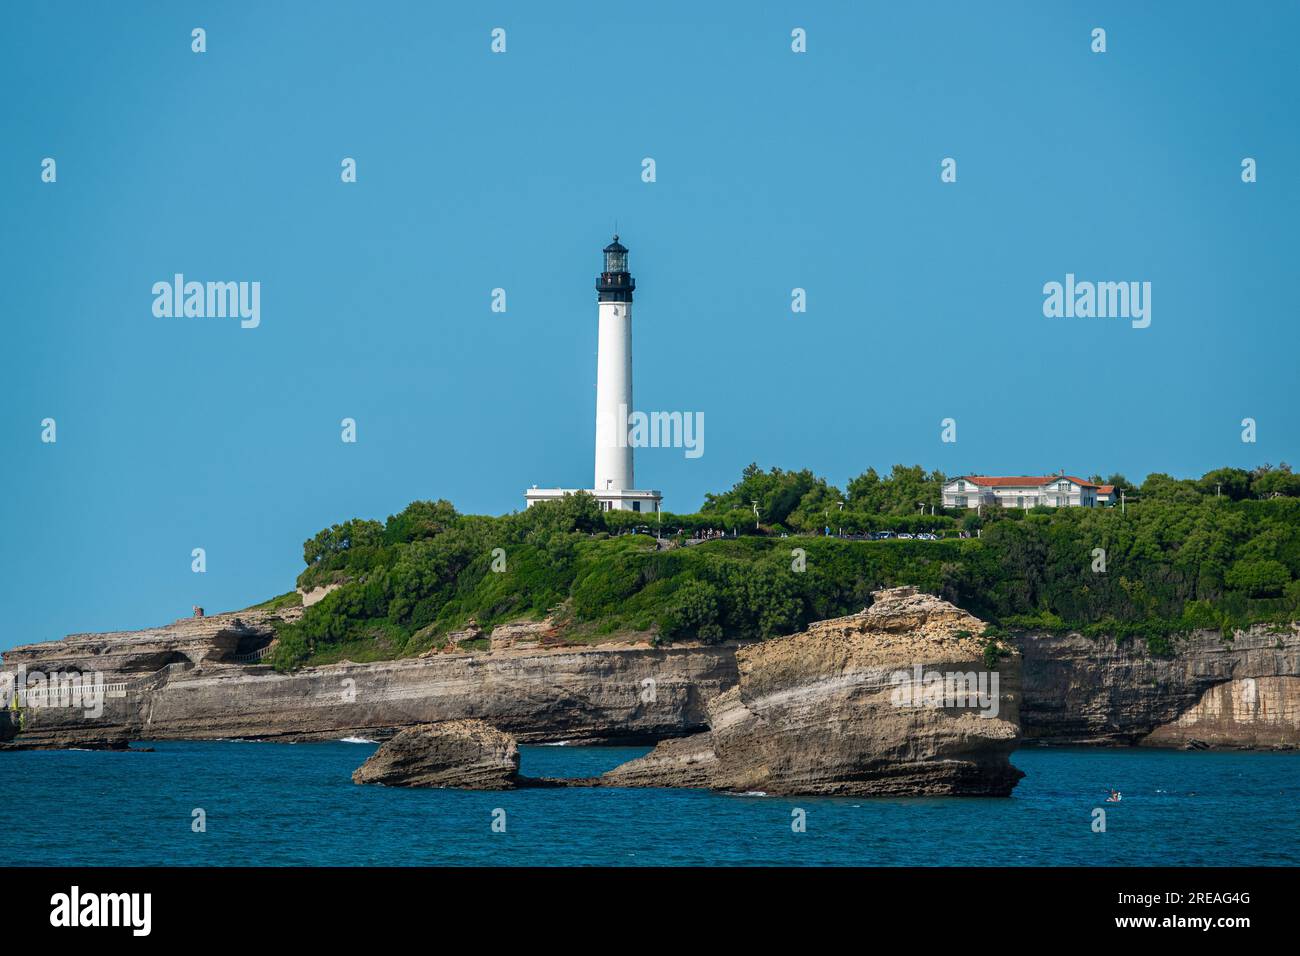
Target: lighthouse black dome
(615, 283)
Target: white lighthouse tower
(614, 484)
(614, 290)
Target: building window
(636, 506)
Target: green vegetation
(288, 599)
(1219, 552)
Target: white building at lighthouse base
(647, 502)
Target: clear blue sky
(775, 170)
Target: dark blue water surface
(280, 804)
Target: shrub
(692, 611)
(1258, 578)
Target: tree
(576, 512)
(899, 494)
(1160, 485)
(1258, 578)
(420, 519)
(356, 534)
(777, 492)
(1231, 483)
(1269, 482)
(817, 509)
(1121, 483)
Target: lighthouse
(614, 482)
(614, 288)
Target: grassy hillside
(1178, 559)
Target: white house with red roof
(1025, 491)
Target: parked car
(905, 535)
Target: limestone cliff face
(1259, 713)
(1081, 690)
(626, 693)
(878, 703)
(186, 680)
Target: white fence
(67, 694)
(252, 657)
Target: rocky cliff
(1081, 690)
(1261, 713)
(621, 693)
(895, 700)
(198, 678)
(127, 654)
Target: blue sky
(774, 170)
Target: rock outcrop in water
(683, 762)
(459, 754)
(896, 700)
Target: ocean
(267, 804)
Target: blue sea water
(281, 804)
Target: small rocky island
(459, 754)
(897, 700)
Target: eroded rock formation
(884, 702)
(522, 635)
(213, 639)
(460, 754)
